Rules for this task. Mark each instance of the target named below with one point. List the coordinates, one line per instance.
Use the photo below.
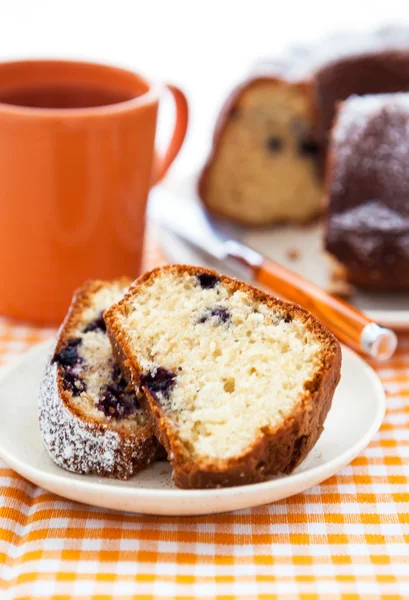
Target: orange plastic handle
(162, 163)
(345, 322)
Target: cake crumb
(293, 254)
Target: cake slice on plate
(237, 383)
(90, 418)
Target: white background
(204, 46)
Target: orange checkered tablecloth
(346, 538)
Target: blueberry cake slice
(237, 383)
(264, 167)
(90, 418)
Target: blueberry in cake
(237, 383)
(90, 418)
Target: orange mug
(77, 160)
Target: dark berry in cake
(308, 147)
(221, 314)
(97, 324)
(118, 378)
(115, 401)
(116, 373)
(161, 381)
(117, 405)
(73, 383)
(274, 144)
(208, 281)
(68, 355)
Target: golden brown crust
(277, 450)
(133, 452)
(304, 87)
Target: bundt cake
(90, 419)
(368, 191)
(270, 143)
(237, 383)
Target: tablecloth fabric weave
(346, 538)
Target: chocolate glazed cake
(368, 191)
(270, 142)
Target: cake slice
(367, 228)
(264, 165)
(237, 383)
(90, 418)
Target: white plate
(278, 243)
(356, 415)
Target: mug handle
(162, 163)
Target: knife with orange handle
(190, 223)
(350, 325)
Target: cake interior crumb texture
(266, 162)
(98, 362)
(237, 366)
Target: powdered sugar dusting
(71, 443)
(356, 111)
(81, 447)
(368, 225)
(371, 216)
(371, 140)
(98, 443)
(301, 62)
